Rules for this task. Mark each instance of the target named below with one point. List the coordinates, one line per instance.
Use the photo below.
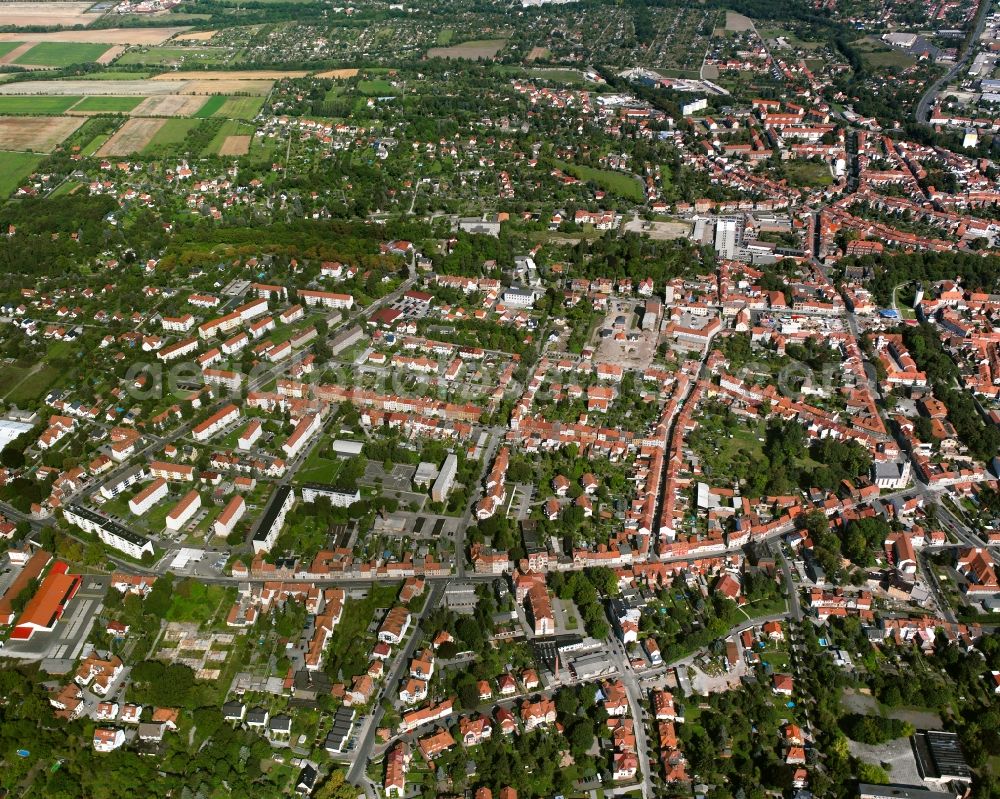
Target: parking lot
(63, 645)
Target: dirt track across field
(16, 53)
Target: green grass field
(14, 167)
(28, 386)
(807, 173)
(444, 37)
(212, 105)
(616, 183)
(11, 105)
(108, 105)
(375, 88)
(95, 144)
(62, 54)
(172, 133)
(6, 47)
(240, 107)
(556, 75)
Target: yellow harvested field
(131, 137)
(195, 36)
(337, 73)
(16, 53)
(169, 105)
(37, 134)
(107, 36)
(257, 88)
(23, 15)
(235, 145)
(112, 54)
(232, 74)
(99, 88)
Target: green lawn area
(6, 47)
(22, 387)
(172, 133)
(66, 188)
(318, 468)
(108, 105)
(240, 107)
(36, 105)
(198, 602)
(807, 173)
(213, 104)
(14, 167)
(445, 35)
(377, 87)
(617, 183)
(62, 54)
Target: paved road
(366, 740)
(927, 101)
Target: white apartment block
(148, 497)
(216, 422)
(184, 510)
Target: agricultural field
(169, 134)
(131, 137)
(211, 107)
(27, 14)
(106, 105)
(169, 105)
(232, 138)
(480, 48)
(81, 86)
(225, 75)
(240, 107)
(108, 36)
(35, 134)
(61, 54)
(14, 167)
(36, 105)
